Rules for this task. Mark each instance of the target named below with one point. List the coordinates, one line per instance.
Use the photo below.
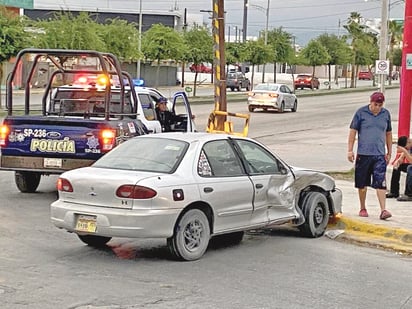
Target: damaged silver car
(189, 187)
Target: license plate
(52, 162)
(86, 224)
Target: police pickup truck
(89, 105)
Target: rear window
(153, 154)
(270, 87)
(304, 76)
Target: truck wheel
(191, 236)
(94, 240)
(27, 182)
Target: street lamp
(266, 10)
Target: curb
(374, 235)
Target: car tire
(191, 236)
(232, 88)
(295, 106)
(282, 107)
(247, 87)
(94, 240)
(251, 109)
(27, 182)
(316, 213)
(239, 88)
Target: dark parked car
(306, 81)
(237, 80)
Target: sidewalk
(394, 233)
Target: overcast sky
(305, 19)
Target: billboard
(25, 4)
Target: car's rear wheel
(282, 107)
(191, 236)
(94, 240)
(316, 212)
(27, 182)
(232, 88)
(295, 106)
(251, 109)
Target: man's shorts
(370, 171)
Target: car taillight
(135, 192)
(64, 185)
(250, 94)
(108, 138)
(273, 95)
(4, 133)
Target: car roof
(193, 136)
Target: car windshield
(267, 87)
(145, 154)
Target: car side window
(258, 159)
(218, 159)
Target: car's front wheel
(282, 107)
(316, 212)
(295, 106)
(94, 240)
(251, 109)
(191, 236)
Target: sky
(304, 19)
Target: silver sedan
(189, 187)
(272, 96)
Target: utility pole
(139, 46)
(245, 6)
(266, 38)
(219, 61)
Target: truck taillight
(108, 138)
(64, 185)
(4, 133)
(135, 192)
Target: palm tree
(395, 38)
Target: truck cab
(87, 108)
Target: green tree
(121, 38)
(234, 52)
(364, 45)
(315, 54)
(66, 31)
(256, 53)
(199, 48)
(337, 49)
(162, 43)
(280, 43)
(12, 38)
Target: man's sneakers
(391, 195)
(385, 215)
(404, 198)
(363, 213)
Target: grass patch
(348, 175)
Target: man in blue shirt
(372, 125)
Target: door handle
(259, 186)
(207, 189)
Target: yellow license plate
(86, 224)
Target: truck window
(147, 105)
